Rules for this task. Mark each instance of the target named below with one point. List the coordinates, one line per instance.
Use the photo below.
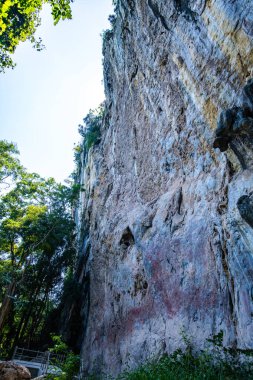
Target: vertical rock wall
(165, 246)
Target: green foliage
(106, 36)
(60, 9)
(19, 20)
(108, 33)
(59, 346)
(77, 151)
(91, 132)
(70, 366)
(37, 248)
(10, 167)
(91, 135)
(210, 364)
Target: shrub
(70, 366)
(91, 131)
(219, 363)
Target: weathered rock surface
(166, 219)
(12, 371)
(235, 129)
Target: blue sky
(46, 96)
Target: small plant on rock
(91, 131)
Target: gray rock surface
(165, 244)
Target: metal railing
(41, 359)
(30, 355)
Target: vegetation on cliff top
(91, 130)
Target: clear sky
(46, 96)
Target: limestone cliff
(166, 218)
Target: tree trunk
(6, 305)
(26, 316)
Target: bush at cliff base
(186, 366)
(70, 367)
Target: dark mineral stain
(245, 207)
(235, 128)
(157, 14)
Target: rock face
(166, 218)
(12, 371)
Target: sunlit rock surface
(166, 220)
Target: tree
(37, 248)
(19, 20)
(10, 167)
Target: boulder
(11, 371)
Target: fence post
(14, 353)
(48, 360)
